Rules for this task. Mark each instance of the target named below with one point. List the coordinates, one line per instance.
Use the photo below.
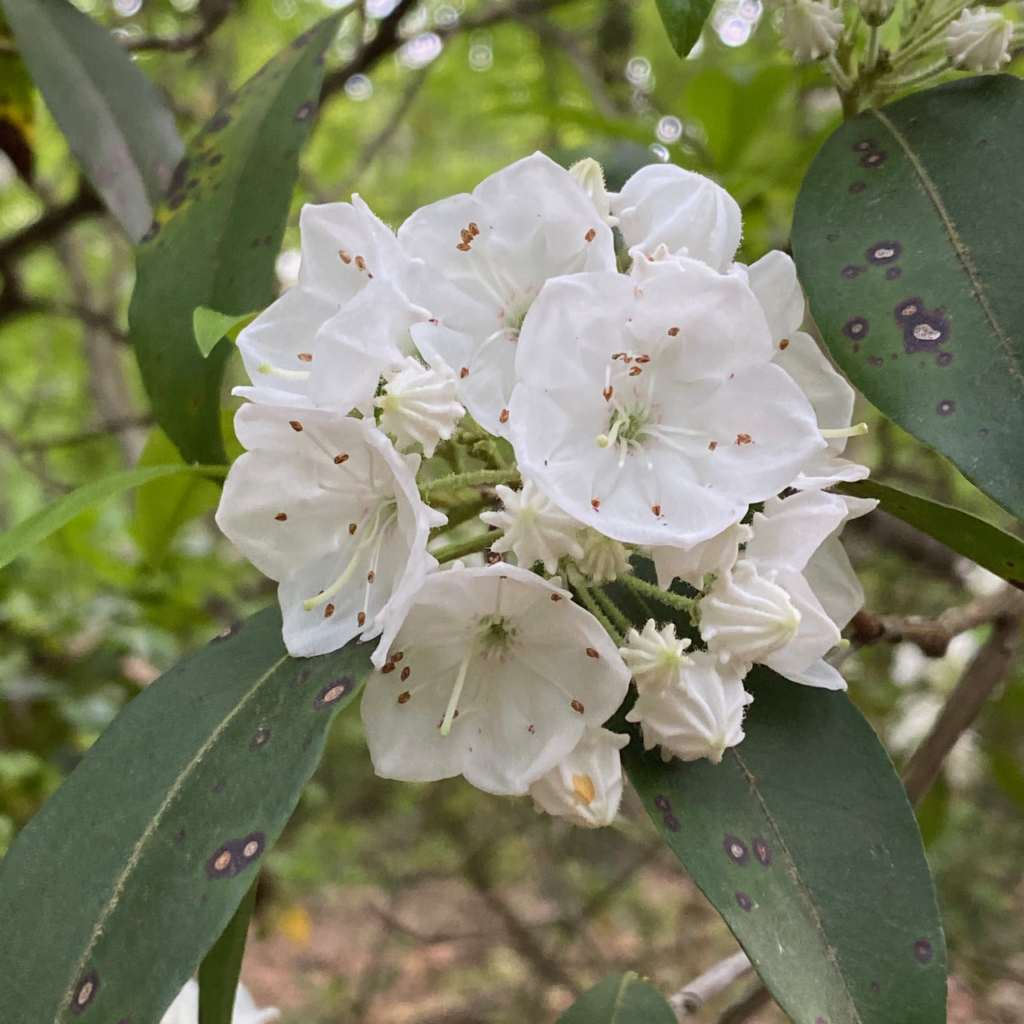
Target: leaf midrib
(133, 860)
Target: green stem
(843, 81)
(904, 82)
(871, 55)
(460, 514)
(472, 479)
(613, 611)
(684, 604)
(467, 547)
(928, 38)
(592, 606)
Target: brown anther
(743, 439)
(635, 371)
(345, 258)
(618, 355)
(712, 446)
(370, 576)
(503, 418)
(405, 673)
(361, 619)
(784, 344)
(643, 359)
(637, 293)
(296, 426)
(590, 235)
(473, 228)
(328, 611)
(577, 706)
(656, 509)
(306, 357)
(339, 459)
(556, 597)
(467, 235)
(608, 392)
(673, 331)
(464, 372)
(360, 263)
(595, 504)
(352, 528)
(397, 656)
(591, 653)
(403, 698)
(281, 516)
(462, 247)
(387, 669)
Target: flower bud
(586, 788)
(589, 176)
(420, 403)
(979, 40)
(654, 657)
(746, 616)
(810, 29)
(699, 714)
(876, 12)
(603, 558)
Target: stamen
(276, 371)
(453, 700)
(855, 431)
(375, 527)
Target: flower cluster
(460, 434)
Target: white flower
(324, 504)
(585, 788)
(487, 257)
(185, 1008)
(979, 40)
(603, 558)
(810, 29)
(690, 215)
(653, 414)
(589, 174)
(345, 250)
(654, 657)
(699, 714)
(419, 404)
(715, 556)
(746, 616)
(536, 530)
(494, 674)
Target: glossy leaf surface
(804, 841)
(121, 883)
(215, 241)
(684, 21)
(620, 999)
(907, 240)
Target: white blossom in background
(487, 255)
(324, 504)
(185, 1008)
(493, 674)
(699, 714)
(979, 40)
(585, 788)
(654, 656)
(419, 404)
(650, 411)
(810, 29)
(536, 530)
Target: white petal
(715, 556)
(773, 280)
(816, 635)
(834, 582)
(821, 674)
(790, 530)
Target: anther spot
(332, 693)
(712, 445)
(590, 235)
(370, 576)
(503, 418)
(556, 597)
(345, 258)
(361, 618)
(577, 706)
(295, 425)
(233, 857)
(464, 372)
(387, 669)
(339, 459)
(744, 439)
(85, 992)
(360, 263)
(736, 850)
(467, 235)
(784, 344)
(405, 673)
(656, 509)
(328, 611)
(474, 229)
(673, 331)
(462, 247)
(595, 504)
(591, 653)
(635, 371)
(281, 516)
(352, 527)
(608, 392)
(306, 357)
(403, 698)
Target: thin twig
(716, 979)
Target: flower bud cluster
(458, 434)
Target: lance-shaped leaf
(982, 542)
(117, 888)
(114, 118)
(683, 21)
(620, 999)
(804, 841)
(907, 240)
(214, 242)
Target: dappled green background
(438, 902)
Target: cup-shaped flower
(585, 788)
(535, 528)
(345, 247)
(654, 656)
(665, 205)
(324, 504)
(653, 413)
(699, 714)
(979, 40)
(419, 404)
(810, 29)
(185, 1008)
(494, 674)
(487, 257)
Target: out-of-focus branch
(51, 224)
(692, 997)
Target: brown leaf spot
(763, 852)
(744, 902)
(85, 992)
(261, 739)
(736, 850)
(333, 692)
(230, 859)
(923, 951)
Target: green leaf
(49, 520)
(126, 877)
(214, 242)
(17, 114)
(219, 971)
(209, 327)
(620, 999)
(684, 21)
(114, 118)
(982, 542)
(913, 269)
(804, 841)
(933, 811)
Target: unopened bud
(810, 29)
(979, 40)
(590, 176)
(876, 12)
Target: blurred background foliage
(385, 902)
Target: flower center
(514, 313)
(496, 636)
